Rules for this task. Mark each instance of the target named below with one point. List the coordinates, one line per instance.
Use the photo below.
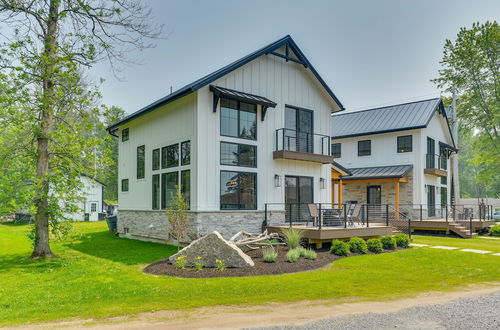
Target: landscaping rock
(212, 247)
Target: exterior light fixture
(277, 180)
(322, 183)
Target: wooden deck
(460, 228)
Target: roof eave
(378, 132)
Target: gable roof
(393, 118)
(285, 41)
(94, 179)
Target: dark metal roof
(379, 172)
(93, 178)
(340, 168)
(240, 96)
(287, 40)
(392, 118)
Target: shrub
(388, 242)
(495, 230)
(339, 248)
(292, 236)
(269, 254)
(302, 251)
(293, 255)
(357, 245)
(402, 240)
(310, 254)
(374, 245)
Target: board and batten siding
(172, 123)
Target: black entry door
(431, 201)
(299, 129)
(374, 195)
(298, 193)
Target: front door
(431, 201)
(298, 193)
(298, 130)
(374, 200)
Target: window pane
(336, 150)
(364, 148)
(186, 186)
(156, 159)
(173, 155)
(248, 121)
(405, 143)
(185, 153)
(156, 192)
(228, 153)
(228, 121)
(228, 190)
(125, 135)
(248, 155)
(248, 196)
(140, 162)
(169, 181)
(164, 157)
(124, 184)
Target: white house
(254, 132)
(91, 200)
(395, 155)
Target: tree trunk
(42, 246)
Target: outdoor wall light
(277, 180)
(322, 183)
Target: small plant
(388, 242)
(339, 248)
(292, 236)
(269, 254)
(180, 262)
(402, 240)
(374, 245)
(310, 254)
(495, 230)
(302, 251)
(357, 245)
(198, 264)
(293, 255)
(221, 266)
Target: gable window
(186, 186)
(141, 162)
(364, 148)
(336, 150)
(124, 185)
(156, 159)
(170, 156)
(125, 135)
(238, 154)
(156, 192)
(238, 190)
(169, 183)
(186, 153)
(405, 143)
(238, 119)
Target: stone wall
(353, 191)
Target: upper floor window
(141, 160)
(170, 156)
(364, 148)
(156, 159)
(124, 185)
(336, 150)
(125, 135)
(238, 119)
(405, 143)
(238, 154)
(186, 153)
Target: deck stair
(460, 230)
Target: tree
(471, 67)
(177, 217)
(52, 42)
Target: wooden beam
(339, 192)
(396, 201)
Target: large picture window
(141, 162)
(169, 182)
(170, 156)
(156, 159)
(336, 150)
(186, 186)
(364, 148)
(238, 190)
(186, 153)
(405, 143)
(238, 119)
(156, 192)
(238, 154)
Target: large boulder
(212, 247)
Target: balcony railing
(436, 161)
(293, 140)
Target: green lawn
(99, 275)
(474, 243)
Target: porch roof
(379, 172)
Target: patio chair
(350, 213)
(332, 217)
(314, 213)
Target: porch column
(339, 191)
(396, 201)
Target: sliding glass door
(298, 193)
(298, 130)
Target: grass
(99, 275)
(476, 242)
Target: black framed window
(141, 162)
(155, 192)
(124, 185)
(170, 156)
(337, 150)
(444, 180)
(186, 153)
(186, 186)
(444, 196)
(169, 183)
(364, 148)
(156, 159)
(125, 135)
(238, 190)
(93, 207)
(238, 119)
(238, 154)
(405, 143)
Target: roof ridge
(384, 107)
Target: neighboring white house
(396, 155)
(91, 200)
(254, 132)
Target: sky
(370, 53)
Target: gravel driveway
(482, 312)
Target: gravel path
(482, 312)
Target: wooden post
(396, 202)
(339, 192)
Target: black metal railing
(436, 161)
(293, 140)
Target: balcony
(436, 165)
(296, 145)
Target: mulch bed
(281, 266)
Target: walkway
(443, 247)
